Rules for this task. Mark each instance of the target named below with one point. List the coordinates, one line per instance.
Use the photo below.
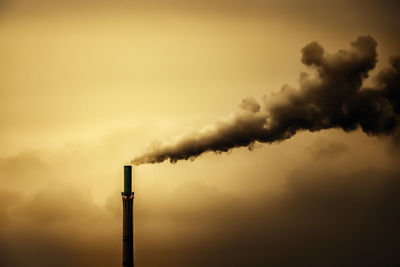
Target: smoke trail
(334, 98)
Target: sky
(86, 86)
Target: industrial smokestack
(127, 226)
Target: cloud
(322, 210)
(58, 228)
(323, 219)
(54, 221)
(325, 149)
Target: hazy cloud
(321, 211)
(324, 149)
(323, 219)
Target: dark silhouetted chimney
(127, 226)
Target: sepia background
(87, 85)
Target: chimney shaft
(127, 225)
(127, 180)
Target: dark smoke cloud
(331, 95)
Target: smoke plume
(331, 95)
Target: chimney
(127, 225)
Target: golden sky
(87, 85)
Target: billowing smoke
(331, 95)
